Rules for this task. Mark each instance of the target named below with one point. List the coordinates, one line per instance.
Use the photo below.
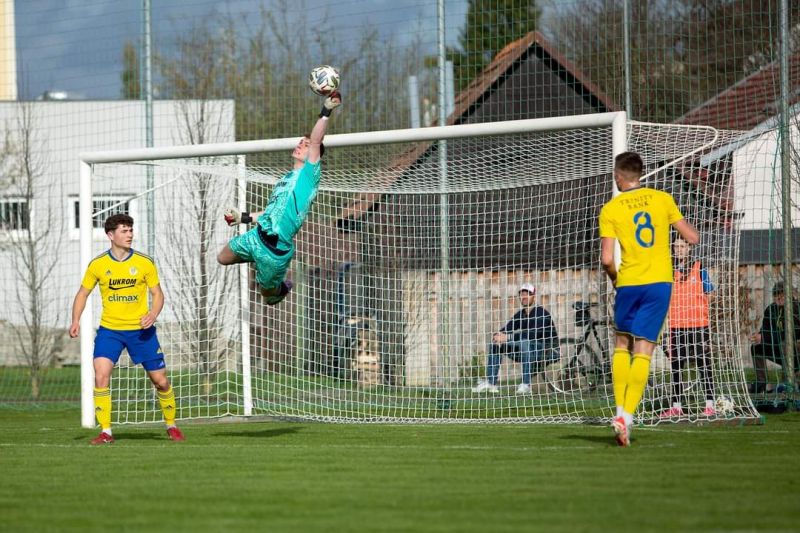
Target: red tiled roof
(504, 61)
(749, 102)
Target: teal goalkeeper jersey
(290, 201)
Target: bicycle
(584, 364)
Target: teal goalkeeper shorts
(270, 267)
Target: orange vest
(688, 307)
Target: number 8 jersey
(640, 220)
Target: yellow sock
(620, 369)
(102, 407)
(637, 381)
(167, 401)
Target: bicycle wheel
(568, 375)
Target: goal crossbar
(616, 119)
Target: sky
(76, 45)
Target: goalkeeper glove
(333, 101)
(232, 216)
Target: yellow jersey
(123, 287)
(640, 220)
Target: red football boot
(102, 438)
(175, 434)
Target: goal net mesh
(410, 260)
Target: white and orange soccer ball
(323, 80)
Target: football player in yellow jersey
(639, 219)
(125, 277)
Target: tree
(30, 244)
(131, 73)
(262, 63)
(200, 295)
(683, 52)
(490, 26)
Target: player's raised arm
(318, 132)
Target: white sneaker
(485, 386)
(524, 388)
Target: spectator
(529, 337)
(769, 341)
(689, 334)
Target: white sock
(107, 431)
(628, 419)
(619, 411)
(709, 404)
(677, 405)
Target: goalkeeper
(270, 244)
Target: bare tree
(131, 73)
(259, 63)
(30, 244)
(201, 293)
(683, 52)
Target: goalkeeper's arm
(233, 216)
(318, 132)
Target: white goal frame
(616, 120)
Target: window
(14, 214)
(116, 205)
(106, 206)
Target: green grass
(278, 476)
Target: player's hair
(114, 221)
(321, 145)
(629, 162)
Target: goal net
(411, 258)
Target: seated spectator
(768, 343)
(529, 338)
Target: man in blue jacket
(529, 337)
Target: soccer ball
(724, 405)
(323, 80)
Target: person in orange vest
(689, 334)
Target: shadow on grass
(259, 433)
(121, 435)
(606, 440)
(140, 435)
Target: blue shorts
(271, 268)
(640, 310)
(142, 345)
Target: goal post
(366, 336)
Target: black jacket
(536, 325)
(772, 326)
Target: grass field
(282, 476)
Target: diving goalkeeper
(270, 244)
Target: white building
(754, 162)
(59, 131)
